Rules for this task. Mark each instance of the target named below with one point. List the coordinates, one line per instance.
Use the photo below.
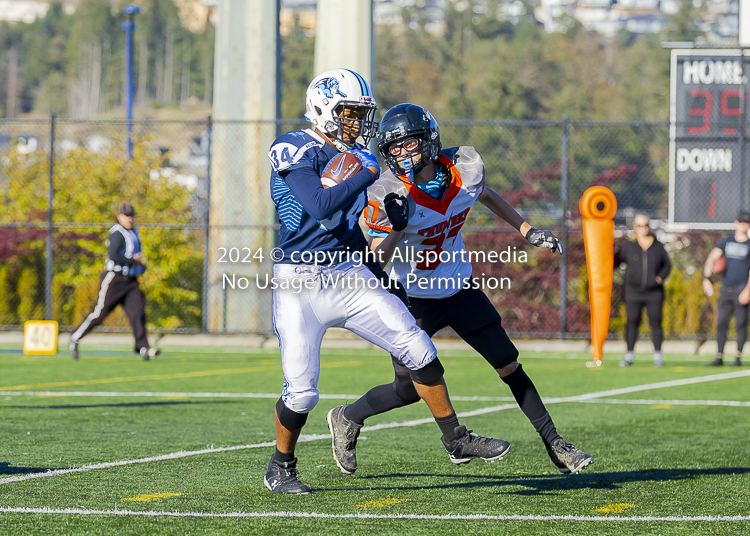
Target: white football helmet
(327, 96)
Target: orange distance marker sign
(598, 206)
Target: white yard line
(316, 515)
(416, 422)
(152, 394)
(173, 456)
(734, 403)
(658, 385)
(578, 398)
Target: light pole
(129, 28)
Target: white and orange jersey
(430, 259)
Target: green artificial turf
(655, 459)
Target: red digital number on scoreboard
(706, 109)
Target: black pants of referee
(633, 310)
(116, 289)
(728, 304)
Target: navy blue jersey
(738, 261)
(314, 218)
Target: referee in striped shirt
(119, 285)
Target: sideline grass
(660, 460)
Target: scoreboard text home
(707, 96)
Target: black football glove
(543, 239)
(397, 208)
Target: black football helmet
(408, 139)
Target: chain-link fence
(207, 223)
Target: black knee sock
(282, 456)
(376, 401)
(531, 404)
(448, 426)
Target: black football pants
(633, 310)
(116, 289)
(473, 317)
(728, 303)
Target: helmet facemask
(351, 122)
(408, 155)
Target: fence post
(50, 196)
(744, 190)
(564, 228)
(206, 228)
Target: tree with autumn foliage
(88, 188)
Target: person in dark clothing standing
(119, 285)
(735, 289)
(647, 267)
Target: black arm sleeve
(666, 264)
(320, 203)
(116, 243)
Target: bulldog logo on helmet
(329, 86)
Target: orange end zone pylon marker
(598, 206)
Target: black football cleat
(715, 363)
(468, 446)
(281, 477)
(344, 434)
(568, 458)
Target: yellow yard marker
(661, 406)
(614, 508)
(381, 502)
(152, 497)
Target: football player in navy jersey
(735, 287)
(421, 203)
(312, 296)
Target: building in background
(194, 14)
(302, 12)
(719, 19)
(29, 10)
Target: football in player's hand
(720, 265)
(339, 168)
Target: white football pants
(346, 295)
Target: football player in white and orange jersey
(415, 214)
(323, 281)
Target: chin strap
(341, 146)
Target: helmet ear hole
(318, 110)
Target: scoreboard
(708, 90)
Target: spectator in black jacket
(647, 267)
(119, 285)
